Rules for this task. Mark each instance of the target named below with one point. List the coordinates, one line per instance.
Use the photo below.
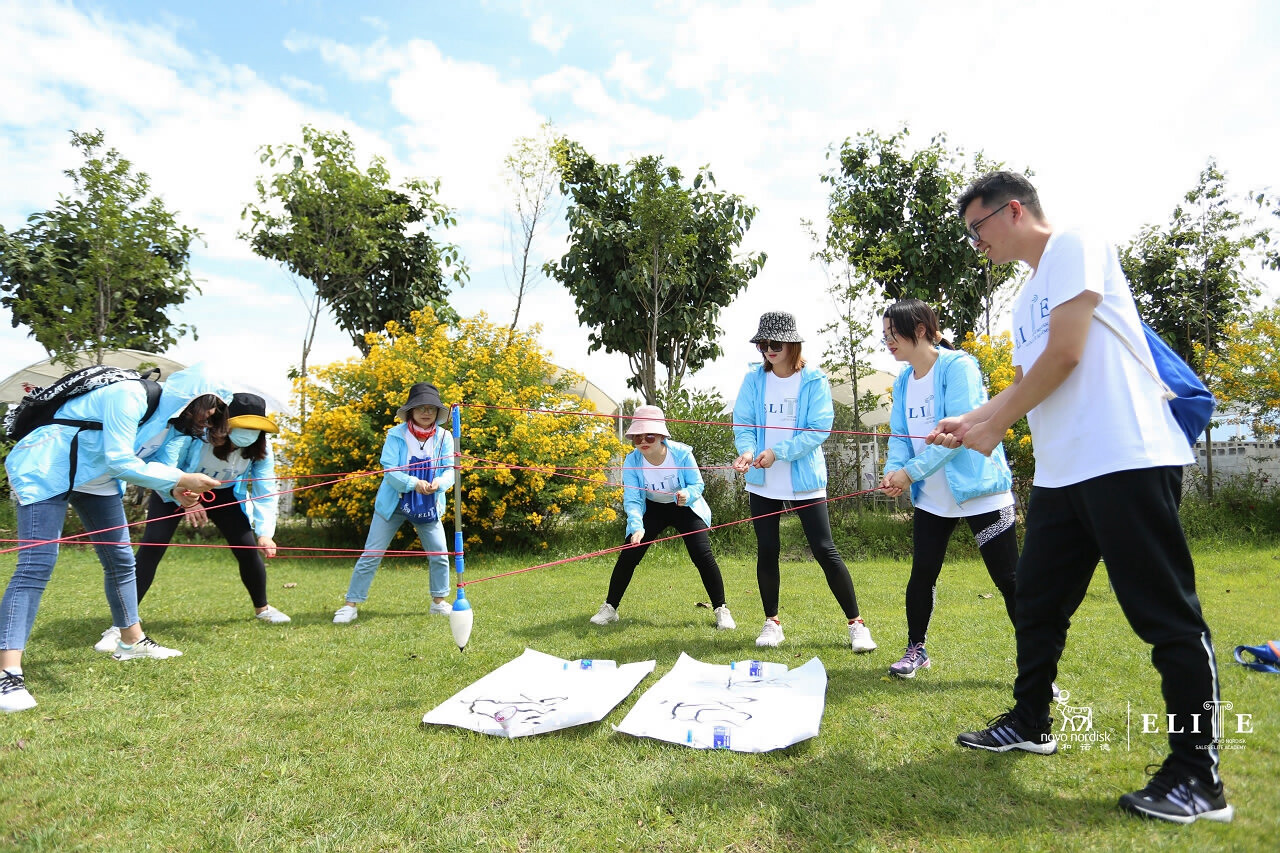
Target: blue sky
(1116, 106)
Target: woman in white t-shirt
(946, 485)
(663, 488)
(782, 416)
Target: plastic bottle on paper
(588, 663)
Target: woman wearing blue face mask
(246, 467)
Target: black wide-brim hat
(249, 411)
(422, 394)
(777, 326)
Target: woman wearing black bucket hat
(782, 417)
(243, 508)
(417, 456)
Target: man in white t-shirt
(1109, 459)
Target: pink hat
(648, 419)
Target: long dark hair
(194, 421)
(254, 452)
(905, 314)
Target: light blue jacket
(957, 388)
(803, 450)
(258, 479)
(40, 464)
(680, 457)
(395, 454)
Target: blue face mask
(244, 437)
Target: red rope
(618, 548)
(679, 420)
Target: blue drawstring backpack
(1265, 657)
(1191, 403)
(420, 508)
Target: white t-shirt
(935, 494)
(661, 482)
(223, 470)
(781, 398)
(1109, 414)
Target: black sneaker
(1005, 733)
(1181, 799)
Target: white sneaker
(860, 636)
(441, 607)
(724, 619)
(144, 648)
(275, 617)
(605, 615)
(13, 693)
(107, 644)
(346, 613)
(770, 634)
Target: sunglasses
(647, 438)
(771, 346)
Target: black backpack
(40, 407)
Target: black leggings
(228, 516)
(657, 518)
(997, 540)
(817, 529)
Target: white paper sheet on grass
(538, 693)
(746, 706)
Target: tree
(891, 219)
(365, 245)
(531, 175)
(101, 269)
(853, 334)
(1190, 281)
(1249, 371)
(1190, 278)
(651, 262)
(510, 493)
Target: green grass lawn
(308, 736)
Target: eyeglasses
(647, 438)
(771, 346)
(890, 339)
(973, 236)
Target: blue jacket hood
(179, 390)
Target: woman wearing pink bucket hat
(663, 488)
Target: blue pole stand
(460, 619)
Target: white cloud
(633, 76)
(304, 87)
(1112, 104)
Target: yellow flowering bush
(995, 358)
(352, 404)
(1246, 374)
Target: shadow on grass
(836, 800)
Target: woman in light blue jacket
(40, 470)
(662, 487)
(782, 416)
(243, 508)
(423, 437)
(946, 484)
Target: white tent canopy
(43, 372)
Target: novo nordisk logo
(1076, 726)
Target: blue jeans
(43, 521)
(381, 532)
